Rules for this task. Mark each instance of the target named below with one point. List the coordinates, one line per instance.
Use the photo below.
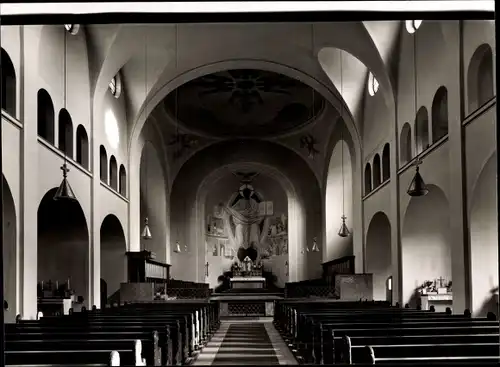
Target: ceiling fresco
(244, 103)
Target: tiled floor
(246, 342)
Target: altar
(247, 282)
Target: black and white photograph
(249, 183)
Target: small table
(247, 282)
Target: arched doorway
(63, 245)
(113, 259)
(425, 242)
(484, 241)
(378, 254)
(9, 252)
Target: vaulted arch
(378, 254)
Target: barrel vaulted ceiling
(155, 59)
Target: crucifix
(441, 280)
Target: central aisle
(245, 342)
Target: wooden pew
(106, 330)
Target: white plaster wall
(337, 196)
(481, 179)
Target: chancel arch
(113, 259)
(10, 279)
(483, 229)
(65, 133)
(45, 112)
(189, 194)
(9, 90)
(63, 247)
(425, 243)
(378, 255)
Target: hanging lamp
(146, 232)
(343, 231)
(315, 247)
(417, 185)
(64, 192)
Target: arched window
(368, 179)
(376, 171)
(422, 130)
(103, 164)
(373, 84)
(45, 116)
(115, 86)
(405, 144)
(65, 133)
(386, 162)
(72, 28)
(8, 84)
(480, 77)
(82, 147)
(113, 173)
(440, 114)
(123, 181)
(413, 25)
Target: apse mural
(246, 225)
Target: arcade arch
(63, 244)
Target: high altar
(247, 275)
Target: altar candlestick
(68, 284)
(57, 285)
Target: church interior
(361, 228)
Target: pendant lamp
(315, 247)
(146, 232)
(343, 231)
(177, 248)
(64, 192)
(417, 185)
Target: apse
(425, 242)
(9, 252)
(231, 230)
(153, 202)
(63, 245)
(338, 197)
(378, 255)
(113, 259)
(484, 241)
